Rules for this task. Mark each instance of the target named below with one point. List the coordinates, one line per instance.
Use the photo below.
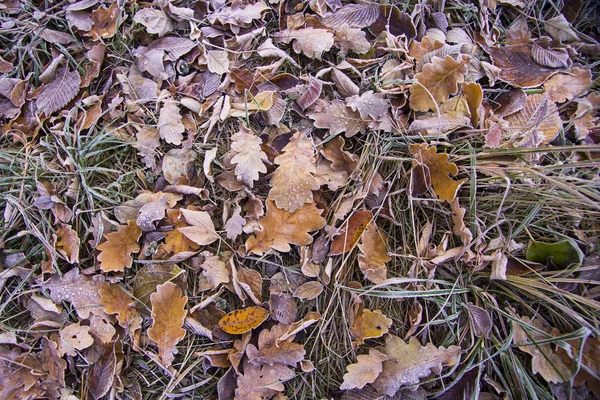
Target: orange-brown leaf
(168, 316)
(244, 320)
(439, 79)
(115, 253)
(438, 168)
(280, 228)
(356, 225)
(67, 243)
(373, 254)
(116, 301)
(369, 325)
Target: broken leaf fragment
(243, 320)
(354, 228)
(437, 168)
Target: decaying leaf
(272, 351)
(337, 117)
(115, 253)
(373, 256)
(310, 41)
(201, 230)
(79, 290)
(67, 243)
(58, 93)
(354, 228)
(75, 337)
(563, 87)
(293, 181)
(243, 320)
(369, 325)
(409, 362)
(261, 381)
(366, 369)
(249, 158)
(115, 300)
(437, 168)
(437, 82)
(168, 316)
(537, 124)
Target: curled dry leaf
(409, 362)
(481, 322)
(115, 253)
(437, 82)
(67, 243)
(272, 351)
(369, 325)
(244, 320)
(373, 254)
(280, 228)
(248, 156)
(293, 181)
(168, 316)
(354, 228)
(366, 369)
(437, 168)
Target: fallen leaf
(309, 290)
(248, 156)
(260, 382)
(283, 308)
(150, 213)
(438, 167)
(480, 320)
(115, 300)
(539, 118)
(238, 16)
(310, 41)
(553, 57)
(215, 270)
(75, 337)
(369, 325)
(106, 21)
(560, 29)
(201, 230)
(311, 94)
(353, 229)
(347, 38)
(474, 97)
(293, 181)
(250, 282)
(353, 15)
(79, 290)
(169, 124)
(155, 21)
(545, 361)
(243, 320)
(175, 241)
(272, 351)
(177, 164)
(366, 369)
(101, 373)
(343, 83)
(115, 253)
(168, 316)
(58, 93)
(217, 62)
(372, 257)
(563, 254)
(52, 360)
(235, 224)
(153, 275)
(337, 117)
(67, 243)
(409, 362)
(590, 358)
(563, 87)
(437, 82)
(369, 104)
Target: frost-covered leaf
(201, 230)
(79, 290)
(67, 243)
(155, 21)
(58, 93)
(368, 104)
(248, 156)
(373, 256)
(560, 29)
(169, 123)
(354, 39)
(369, 325)
(563, 87)
(260, 382)
(538, 117)
(217, 62)
(310, 41)
(354, 15)
(272, 351)
(366, 369)
(115, 253)
(238, 16)
(75, 337)
(311, 94)
(337, 117)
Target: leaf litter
(299, 199)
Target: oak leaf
(106, 21)
(337, 117)
(215, 270)
(238, 16)
(293, 181)
(366, 369)
(241, 321)
(369, 104)
(169, 123)
(155, 21)
(563, 87)
(545, 361)
(437, 82)
(168, 316)
(202, 229)
(373, 254)
(67, 243)
(115, 300)
(341, 160)
(539, 119)
(310, 41)
(115, 253)
(259, 382)
(409, 362)
(353, 230)
(151, 276)
(437, 168)
(369, 325)
(272, 351)
(280, 228)
(347, 38)
(248, 156)
(75, 337)
(79, 290)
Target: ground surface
(305, 199)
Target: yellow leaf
(356, 225)
(437, 168)
(244, 320)
(369, 325)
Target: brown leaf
(354, 15)
(106, 21)
(343, 83)
(169, 123)
(272, 351)
(369, 104)
(438, 168)
(458, 219)
(437, 82)
(202, 230)
(590, 358)
(75, 337)
(373, 254)
(52, 360)
(539, 117)
(563, 87)
(509, 102)
(409, 362)
(67, 243)
(354, 39)
(79, 290)
(369, 325)
(366, 369)
(168, 316)
(481, 322)
(310, 41)
(58, 93)
(115, 253)
(545, 361)
(311, 94)
(293, 181)
(155, 21)
(153, 275)
(560, 29)
(151, 212)
(261, 382)
(241, 321)
(238, 16)
(177, 164)
(517, 67)
(309, 290)
(115, 300)
(101, 374)
(341, 160)
(250, 282)
(337, 117)
(217, 61)
(474, 96)
(283, 308)
(543, 54)
(354, 228)
(175, 240)
(248, 156)
(215, 270)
